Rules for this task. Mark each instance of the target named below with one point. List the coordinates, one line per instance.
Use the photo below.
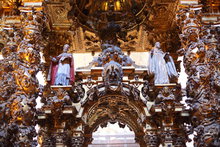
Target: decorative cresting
(201, 61)
(20, 65)
(112, 53)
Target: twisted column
(201, 61)
(20, 86)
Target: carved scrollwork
(92, 42)
(149, 91)
(76, 93)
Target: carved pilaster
(168, 116)
(201, 56)
(57, 118)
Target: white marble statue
(161, 65)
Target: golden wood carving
(112, 88)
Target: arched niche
(115, 108)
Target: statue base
(166, 85)
(65, 87)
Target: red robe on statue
(54, 68)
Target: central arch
(113, 134)
(115, 106)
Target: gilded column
(8, 129)
(21, 64)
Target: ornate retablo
(131, 52)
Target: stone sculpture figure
(62, 69)
(171, 68)
(161, 65)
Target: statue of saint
(62, 69)
(161, 65)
